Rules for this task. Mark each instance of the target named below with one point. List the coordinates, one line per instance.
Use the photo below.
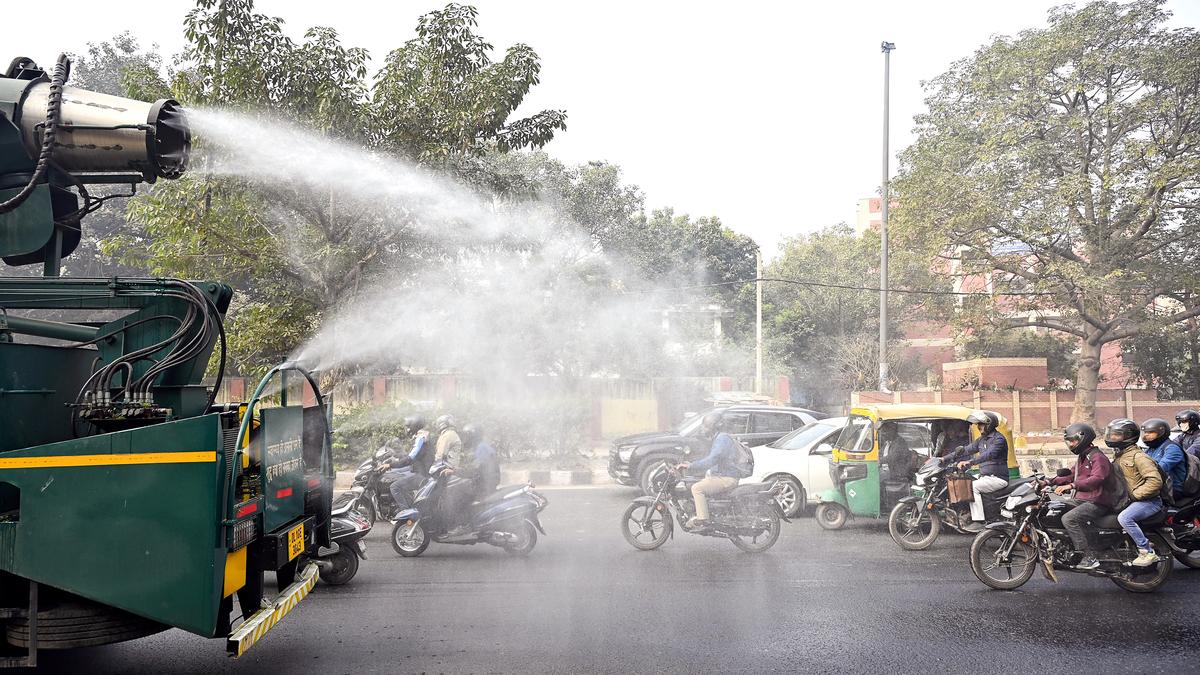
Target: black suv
(632, 458)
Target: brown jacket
(1140, 472)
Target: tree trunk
(1087, 378)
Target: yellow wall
(621, 416)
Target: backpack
(743, 459)
(1191, 483)
(1166, 492)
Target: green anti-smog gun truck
(130, 502)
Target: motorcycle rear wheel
(526, 539)
(366, 507)
(760, 542)
(905, 526)
(1153, 576)
(658, 526)
(412, 545)
(984, 559)
(344, 567)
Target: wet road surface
(585, 601)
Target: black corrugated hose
(53, 114)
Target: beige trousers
(711, 485)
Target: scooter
(338, 563)
(507, 518)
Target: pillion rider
(720, 465)
(1093, 480)
(989, 453)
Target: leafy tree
(826, 335)
(438, 100)
(1167, 359)
(1064, 162)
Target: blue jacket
(1190, 442)
(989, 452)
(1169, 457)
(720, 458)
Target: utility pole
(758, 323)
(883, 225)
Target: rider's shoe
(1145, 558)
(1089, 562)
(694, 523)
(458, 531)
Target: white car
(800, 461)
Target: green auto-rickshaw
(865, 486)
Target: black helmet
(987, 418)
(472, 433)
(1121, 433)
(1082, 432)
(414, 423)
(443, 423)
(1191, 417)
(1155, 432)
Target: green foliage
(359, 430)
(1167, 359)
(1064, 161)
(827, 336)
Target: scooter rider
(989, 452)
(487, 463)
(1189, 426)
(414, 461)
(722, 477)
(1156, 434)
(1090, 478)
(1143, 483)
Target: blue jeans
(1139, 511)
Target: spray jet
(53, 137)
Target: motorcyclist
(719, 463)
(399, 466)
(989, 452)
(487, 462)
(1189, 427)
(1143, 483)
(1156, 434)
(450, 450)
(1091, 479)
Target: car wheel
(791, 497)
(649, 467)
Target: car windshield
(802, 437)
(689, 426)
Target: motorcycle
(1004, 555)
(917, 520)
(338, 564)
(749, 515)
(1183, 528)
(374, 501)
(507, 518)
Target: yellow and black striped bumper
(263, 620)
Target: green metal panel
(283, 464)
(36, 384)
(141, 537)
(28, 227)
(862, 496)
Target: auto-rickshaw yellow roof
(896, 411)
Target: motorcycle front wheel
(409, 541)
(1149, 578)
(344, 565)
(1191, 559)
(995, 570)
(762, 541)
(526, 539)
(645, 527)
(912, 527)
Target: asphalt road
(585, 601)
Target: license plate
(1006, 513)
(296, 541)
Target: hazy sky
(766, 114)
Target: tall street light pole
(883, 225)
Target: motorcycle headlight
(625, 452)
